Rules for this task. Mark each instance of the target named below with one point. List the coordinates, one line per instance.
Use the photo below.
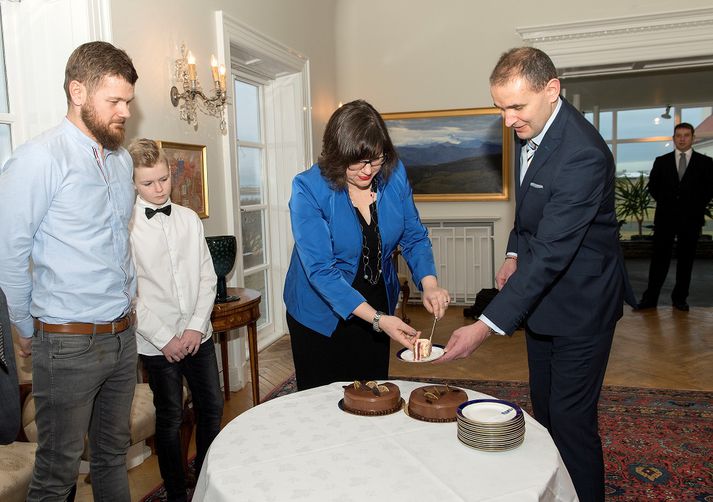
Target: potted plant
(633, 200)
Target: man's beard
(102, 132)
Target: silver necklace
(369, 275)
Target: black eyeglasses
(374, 163)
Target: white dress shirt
(176, 281)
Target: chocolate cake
(436, 403)
(371, 398)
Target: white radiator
(463, 252)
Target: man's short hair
(91, 62)
(146, 153)
(527, 62)
(684, 125)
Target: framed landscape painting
(189, 184)
(453, 155)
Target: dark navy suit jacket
(570, 277)
(9, 390)
(681, 202)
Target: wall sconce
(192, 98)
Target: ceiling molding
(606, 43)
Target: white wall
(152, 32)
(412, 55)
(401, 55)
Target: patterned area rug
(658, 443)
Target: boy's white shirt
(176, 281)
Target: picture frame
(189, 179)
(453, 155)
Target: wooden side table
(233, 315)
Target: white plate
(407, 354)
(489, 412)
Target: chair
(405, 288)
(17, 459)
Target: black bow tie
(165, 210)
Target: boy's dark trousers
(166, 381)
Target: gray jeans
(82, 383)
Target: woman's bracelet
(510, 257)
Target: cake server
(433, 328)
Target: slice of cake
(371, 398)
(422, 349)
(436, 403)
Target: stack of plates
(490, 424)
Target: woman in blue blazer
(349, 212)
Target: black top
(374, 294)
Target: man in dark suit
(681, 183)
(564, 273)
(9, 391)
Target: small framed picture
(189, 182)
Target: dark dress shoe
(682, 306)
(644, 306)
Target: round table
(303, 447)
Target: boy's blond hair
(146, 153)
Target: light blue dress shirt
(64, 240)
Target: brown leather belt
(85, 328)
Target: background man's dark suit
(680, 209)
(9, 391)
(569, 286)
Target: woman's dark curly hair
(355, 132)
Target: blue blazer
(570, 277)
(328, 241)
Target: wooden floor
(661, 348)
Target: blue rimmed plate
(489, 411)
(406, 355)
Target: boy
(176, 286)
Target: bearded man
(66, 198)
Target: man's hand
(174, 350)
(191, 340)
(25, 347)
(464, 341)
(508, 268)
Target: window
(637, 136)
(252, 191)
(6, 119)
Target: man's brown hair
(91, 62)
(524, 62)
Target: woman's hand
(399, 330)
(435, 298)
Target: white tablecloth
(303, 447)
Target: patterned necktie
(3, 361)
(681, 165)
(165, 210)
(531, 148)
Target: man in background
(681, 183)
(66, 198)
(564, 271)
(9, 390)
